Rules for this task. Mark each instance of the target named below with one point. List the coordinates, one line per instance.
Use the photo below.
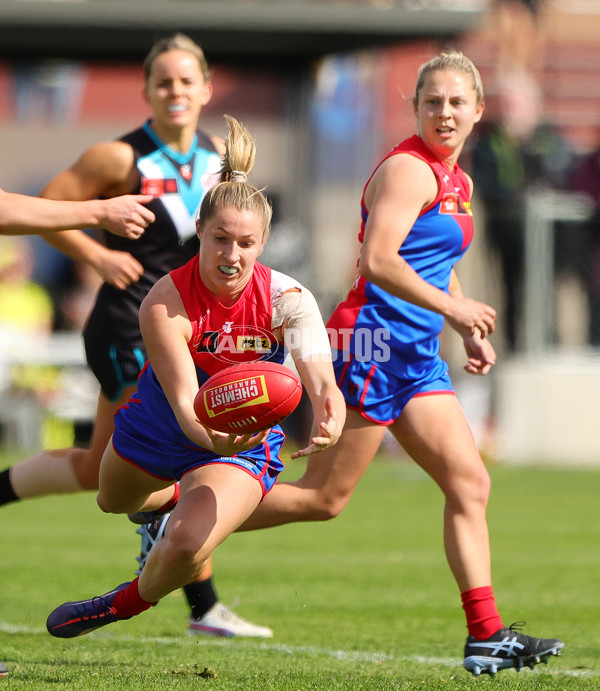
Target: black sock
(201, 596)
(7, 493)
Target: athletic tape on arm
(304, 334)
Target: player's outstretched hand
(126, 215)
(328, 432)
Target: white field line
(309, 650)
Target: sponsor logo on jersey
(258, 344)
(159, 186)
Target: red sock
(128, 602)
(483, 619)
(172, 503)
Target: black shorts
(114, 347)
(115, 366)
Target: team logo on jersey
(453, 205)
(159, 186)
(208, 342)
(185, 170)
(233, 344)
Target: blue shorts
(379, 396)
(144, 445)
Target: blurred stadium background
(326, 87)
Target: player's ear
(207, 93)
(198, 229)
(479, 111)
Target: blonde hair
(178, 41)
(450, 60)
(234, 190)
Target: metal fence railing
(544, 210)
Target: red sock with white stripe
(483, 619)
(128, 602)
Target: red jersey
(224, 336)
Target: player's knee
(324, 507)
(472, 489)
(323, 497)
(104, 504)
(480, 487)
(185, 554)
(86, 467)
(112, 504)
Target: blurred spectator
(26, 318)
(587, 180)
(25, 306)
(520, 34)
(518, 154)
(48, 91)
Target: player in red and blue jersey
(158, 438)
(416, 225)
(174, 160)
(404, 336)
(221, 335)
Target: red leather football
(248, 397)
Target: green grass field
(362, 602)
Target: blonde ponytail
(234, 190)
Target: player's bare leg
(436, 434)
(213, 502)
(62, 471)
(433, 430)
(70, 470)
(328, 483)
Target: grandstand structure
(251, 30)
